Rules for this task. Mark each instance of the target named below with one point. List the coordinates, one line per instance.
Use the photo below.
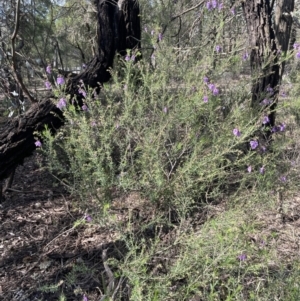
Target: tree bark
(268, 41)
(17, 135)
(283, 26)
(118, 30)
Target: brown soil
(40, 245)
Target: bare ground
(40, 245)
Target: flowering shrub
(171, 143)
(178, 129)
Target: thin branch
(14, 65)
(188, 10)
(17, 21)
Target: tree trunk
(17, 136)
(283, 26)
(267, 41)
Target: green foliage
(152, 134)
(160, 129)
(206, 264)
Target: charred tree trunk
(17, 136)
(264, 52)
(268, 39)
(118, 30)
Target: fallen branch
(17, 137)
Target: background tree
(269, 41)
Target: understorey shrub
(177, 137)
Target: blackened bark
(129, 26)
(118, 30)
(264, 52)
(264, 59)
(17, 136)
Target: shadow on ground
(44, 250)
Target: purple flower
(266, 102)
(62, 103)
(208, 5)
(83, 66)
(205, 98)
(220, 7)
(127, 58)
(242, 257)
(152, 32)
(279, 128)
(214, 3)
(93, 123)
(48, 69)
(38, 143)
(160, 37)
(253, 144)
(263, 148)
(211, 87)
(205, 79)
(60, 80)
(84, 107)
(232, 10)
(165, 110)
(215, 91)
(133, 58)
(282, 179)
(82, 92)
(85, 298)
(283, 94)
(262, 170)
(146, 29)
(249, 168)
(236, 133)
(270, 90)
(88, 218)
(245, 56)
(218, 48)
(282, 127)
(266, 120)
(296, 46)
(298, 55)
(48, 85)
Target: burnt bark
(118, 30)
(264, 51)
(17, 135)
(268, 39)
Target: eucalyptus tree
(269, 26)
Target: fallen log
(17, 139)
